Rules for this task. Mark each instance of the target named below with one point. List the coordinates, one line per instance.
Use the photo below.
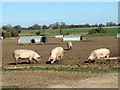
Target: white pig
(56, 54)
(69, 45)
(26, 54)
(99, 53)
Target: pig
(56, 54)
(69, 45)
(26, 54)
(99, 53)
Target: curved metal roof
(118, 35)
(59, 36)
(72, 38)
(27, 39)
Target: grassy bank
(63, 69)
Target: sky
(29, 13)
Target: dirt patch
(77, 55)
(55, 79)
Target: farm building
(1, 37)
(72, 38)
(118, 35)
(59, 36)
(32, 39)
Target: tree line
(13, 31)
(10, 31)
(61, 25)
(57, 25)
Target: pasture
(82, 31)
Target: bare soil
(55, 79)
(77, 55)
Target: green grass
(63, 69)
(56, 31)
(70, 30)
(110, 31)
(28, 31)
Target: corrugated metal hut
(59, 36)
(118, 35)
(32, 39)
(72, 38)
(1, 37)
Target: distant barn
(72, 38)
(32, 39)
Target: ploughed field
(76, 56)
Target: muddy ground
(55, 79)
(77, 55)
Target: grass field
(110, 31)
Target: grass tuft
(63, 69)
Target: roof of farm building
(59, 36)
(118, 35)
(72, 38)
(28, 39)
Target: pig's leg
(30, 60)
(16, 58)
(53, 61)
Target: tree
(35, 26)
(111, 24)
(6, 34)
(96, 25)
(18, 27)
(57, 25)
(71, 26)
(100, 25)
(14, 33)
(87, 25)
(44, 27)
(8, 28)
(63, 25)
(50, 26)
(54, 26)
(10, 31)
